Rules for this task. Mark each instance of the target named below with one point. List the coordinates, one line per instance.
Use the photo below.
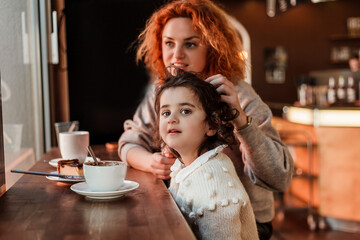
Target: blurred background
(105, 85)
(74, 60)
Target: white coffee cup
(74, 145)
(107, 176)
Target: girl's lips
(173, 131)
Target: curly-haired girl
(194, 124)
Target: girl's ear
(211, 132)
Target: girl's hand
(228, 95)
(160, 165)
(165, 151)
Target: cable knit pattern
(214, 208)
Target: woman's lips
(180, 65)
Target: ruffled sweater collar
(182, 172)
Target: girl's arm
(231, 222)
(155, 163)
(136, 144)
(220, 205)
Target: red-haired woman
(196, 36)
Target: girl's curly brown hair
(218, 114)
(224, 45)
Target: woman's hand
(228, 95)
(160, 165)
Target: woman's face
(182, 46)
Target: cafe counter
(332, 135)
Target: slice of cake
(70, 167)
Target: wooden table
(38, 208)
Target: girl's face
(182, 46)
(182, 124)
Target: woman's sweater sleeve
(139, 131)
(267, 160)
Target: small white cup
(74, 145)
(107, 176)
(65, 127)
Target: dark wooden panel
(105, 85)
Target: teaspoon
(92, 154)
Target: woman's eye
(169, 43)
(190, 45)
(185, 111)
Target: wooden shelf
(343, 62)
(342, 37)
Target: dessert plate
(83, 189)
(54, 162)
(60, 179)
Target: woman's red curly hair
(224, 52)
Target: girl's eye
(185, 111)
(190, 45)
(165, 113)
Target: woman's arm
(229, 95)
(267, 160)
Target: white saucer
(83, 189)
(60, 179)
(54, 162)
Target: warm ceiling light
(323, 117)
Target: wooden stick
(72, 127)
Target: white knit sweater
(212, 198)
